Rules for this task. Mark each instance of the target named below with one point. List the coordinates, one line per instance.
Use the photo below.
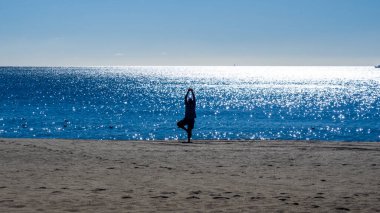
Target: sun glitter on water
(312, 103)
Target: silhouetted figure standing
(190, 115)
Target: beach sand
(204, 176)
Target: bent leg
(181, 124)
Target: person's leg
(190, 127)
(181, 124)
(189, 134)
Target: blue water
(144, 103)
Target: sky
(189, 32)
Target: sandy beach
(205, 176)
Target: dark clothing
(188, 122)
(190, 111)
(190, 107)
(190, 115)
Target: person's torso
(190, 111)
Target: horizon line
(187, 66)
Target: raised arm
(192, 93)
(187, 94)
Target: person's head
(190, 101)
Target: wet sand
(204, 176)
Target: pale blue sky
(189, 32)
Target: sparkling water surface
(144, 103)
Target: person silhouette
(190, 114)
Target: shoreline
(63, 175)
(193, 141)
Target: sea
(328, 103)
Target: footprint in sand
(165, 167)
(160, 196)
(220, 198)
(98, 189)
(342, 209)
(192, 197)
(18, 206)
(196, 192)
(257, 198)
(282, 197)
(168, 193)
(6, 201)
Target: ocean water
(144, 103)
